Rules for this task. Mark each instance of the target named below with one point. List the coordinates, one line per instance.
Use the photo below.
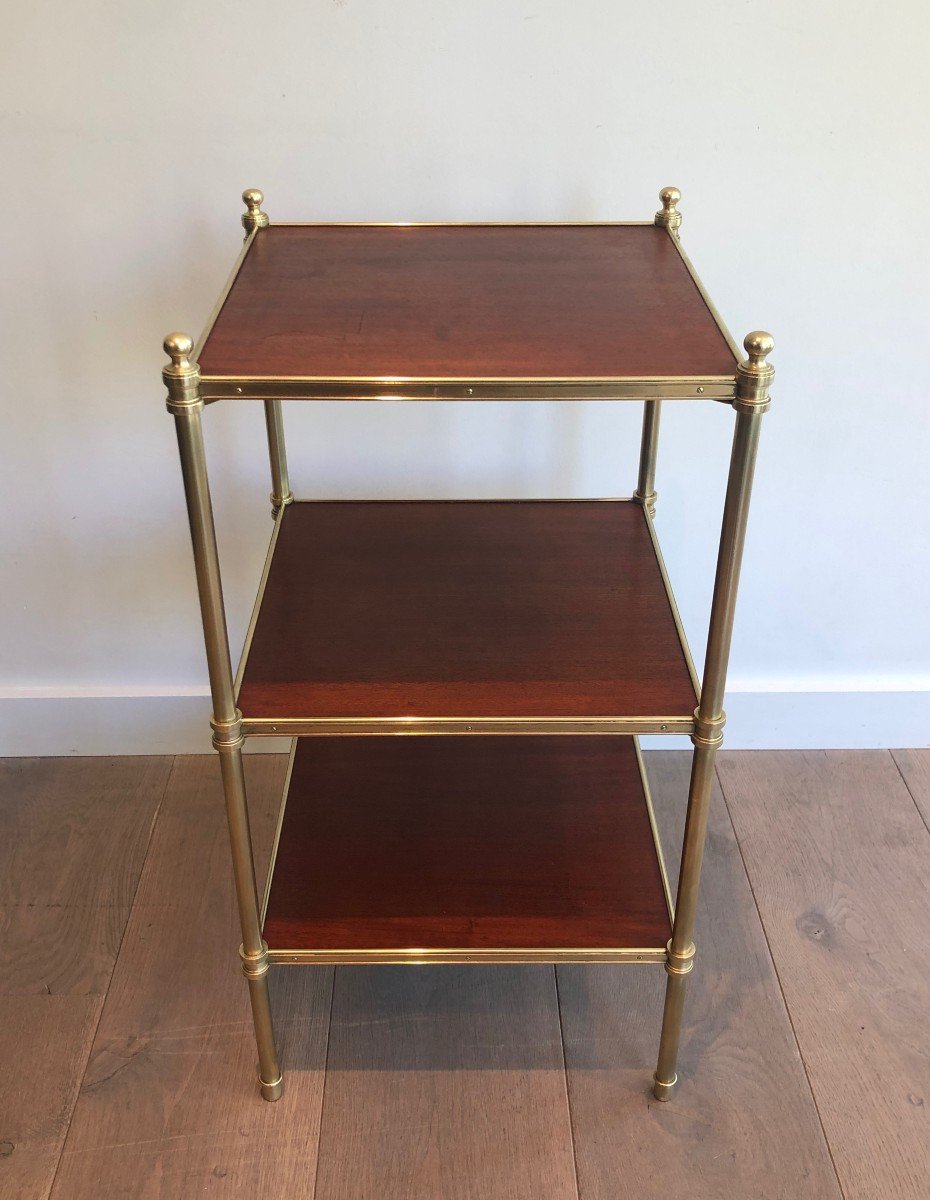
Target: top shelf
(466, 312)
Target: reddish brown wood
(465, 302)
(483, 608)
(474, 842)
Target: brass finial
(754, 376)
(758, 345)
(182, 377)
(668, 215)
(178, 347)
(253, 217)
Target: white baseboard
(107, 724)
(104, 723)
(822, 720)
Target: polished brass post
(668, 217)
(752, 399)
(281, 493)
(649, 447)
(182, 379)
(255, 218)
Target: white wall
(797, 134)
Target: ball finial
(253, 217)
(758, 345)
(754, 376)
(669, 196)
(181, 376)
(178, 347)
(668, 215)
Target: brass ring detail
(254, 966)
(680, 962)
(227, 735)
(708, 731)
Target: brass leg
(680, 960)
(646, 486)
(752, 400)
(184, 402)
(280, 487)
(666, 1076)
(228, 741)
(255, 218)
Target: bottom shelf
(452, 849)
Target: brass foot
(663, 1091)
(272, 1091)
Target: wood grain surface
(487, 608)
(465, 303)
(742, 1122)
(914, 766)
(468, 843)
(75, 834)
(44, 1044)
(445, 1082)
(840, 863)
(170, 1106)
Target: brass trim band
(425, 726)
(422, 956)
(721, 388)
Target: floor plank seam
(568, 1094)
(909, 792)
(784, 998)
(103, 998)
(329, 1042)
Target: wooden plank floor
(168, 1105)
(73, 843)
(846, 916)
(743, 1122)
(127, 1060)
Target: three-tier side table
(465, 681)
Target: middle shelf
(479, 616)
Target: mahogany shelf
(542, 616)
(604, 311)
(449, 849)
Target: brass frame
(657, 840)
(266, 891)
(747, 390)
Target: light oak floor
(126, 1052)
